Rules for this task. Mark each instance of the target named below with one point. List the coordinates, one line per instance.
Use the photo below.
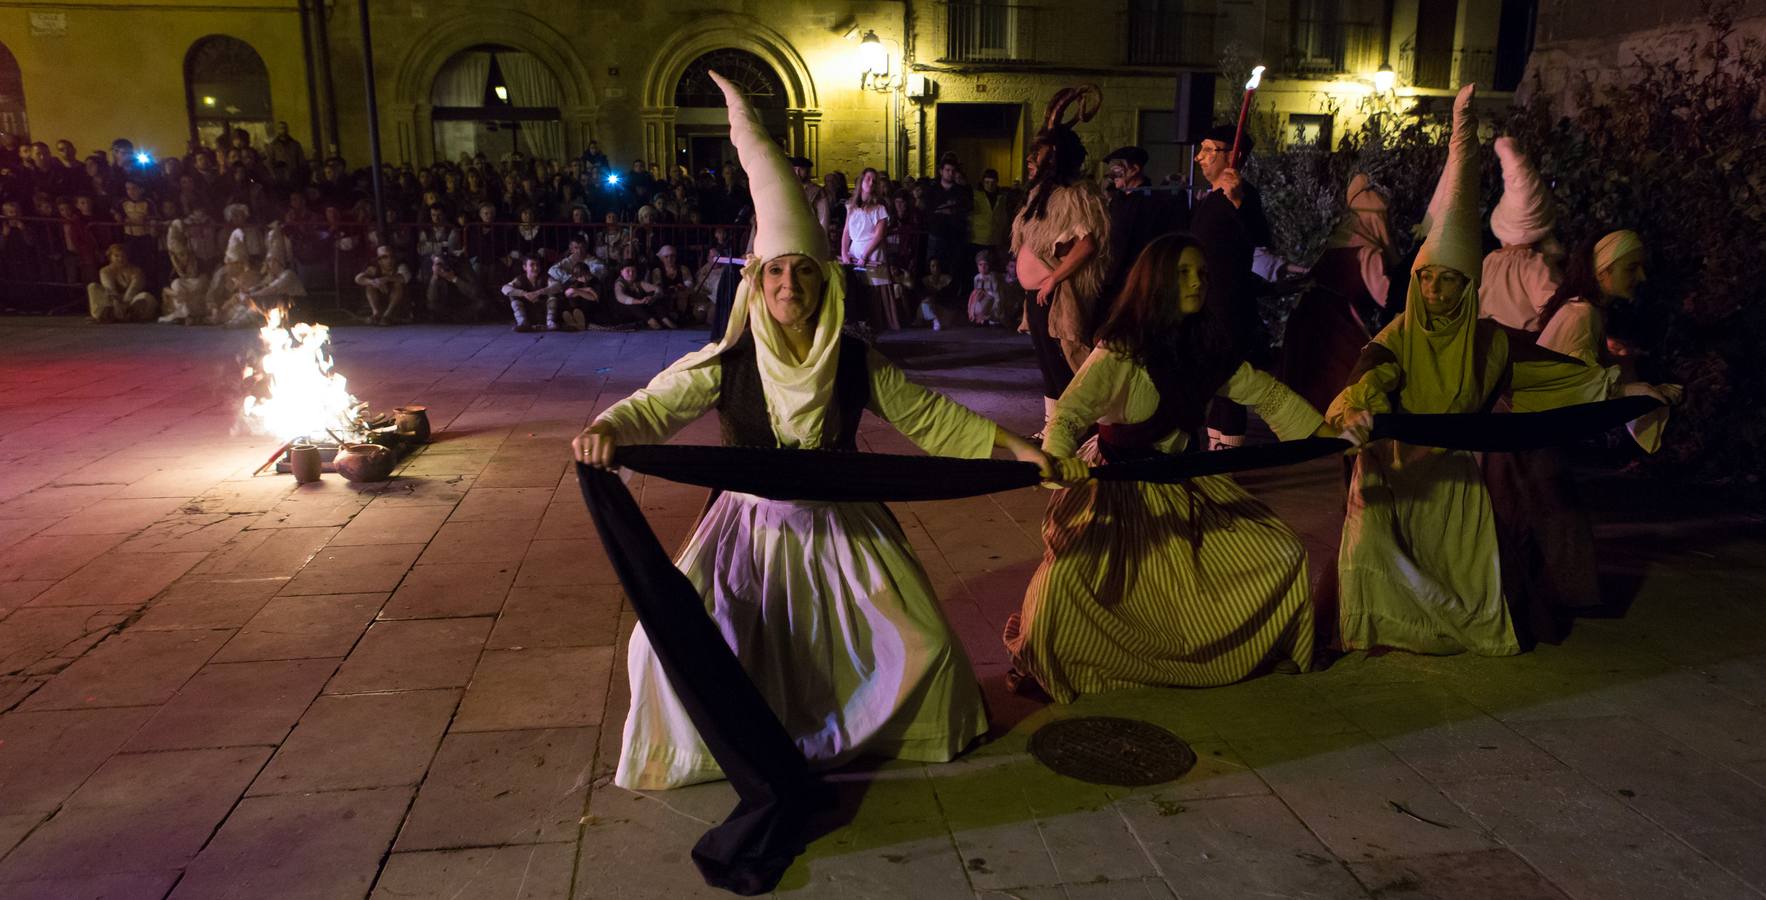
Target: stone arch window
(227, 87)
(764, 87)
(497, 100)
(701, 122)
(12, 97)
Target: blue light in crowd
(144, 158)
(613, 179)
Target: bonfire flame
(301, 395)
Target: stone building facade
(964, 76)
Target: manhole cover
(1107, 750)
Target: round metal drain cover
(1108, 750)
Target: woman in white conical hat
(824, 603)
(1328, 328)
(1545, 529)
(1419, 567)
(1521, 277)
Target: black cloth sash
(1509, 432)
(749, 851)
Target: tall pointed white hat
(1454, 235)
(784, 223)
(1524, 214)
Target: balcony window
(1167, 33)
(1321, 42)
(987, 31)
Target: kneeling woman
(1188, 584)
(823, 603)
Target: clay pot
(304, 462)
(364, 462)
(413, 422)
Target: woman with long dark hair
(1162, 584)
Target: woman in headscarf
(1543, 527)
(1419, 565)
(1189, 584)
(824, 604)
(1326, 331)
(1521, 277)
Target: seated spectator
(935, 290)
(120, 294)
(529, 238)
(576, 285)
(185, 298)
(278, 285)
(453, 294)
(615, 242)
(228, 285)
(985, 297)
(530, 292)
(640, 301)
(674, 283)
(18, 246)
(384, 282)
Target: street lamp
(872, 55)
(1385, 79)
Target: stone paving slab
(213, 684)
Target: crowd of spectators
(616, 246)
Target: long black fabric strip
(826, 475)
(750, 850)
(1509, 432)
(832, 475)
(1182, 467)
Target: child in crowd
(985, 297)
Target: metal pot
(305, 463)
(364, 462)
(413, 422)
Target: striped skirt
(1150, 584)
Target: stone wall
(117, 68)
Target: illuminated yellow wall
(118, 69)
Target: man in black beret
(1138, 214)
(1230, 224)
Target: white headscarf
(797, 392)
(1524, 214)
(1614, 247)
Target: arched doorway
(226, 87)
(12, 97)
(498, 101)
(702, 124)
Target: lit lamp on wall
(1385, 79)
(873, 58)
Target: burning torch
(1238, 157)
